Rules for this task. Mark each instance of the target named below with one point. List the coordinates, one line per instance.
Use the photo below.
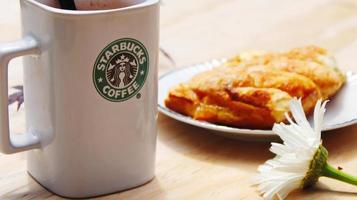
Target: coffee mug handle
(13, 143)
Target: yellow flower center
(316, 167)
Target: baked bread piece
(251, 97)
(253, 90)
(310, 61)
(257, 107)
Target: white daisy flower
(301, 159)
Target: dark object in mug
(68, 4)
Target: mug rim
(59, 11)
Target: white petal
(283, 193)
(281, 186)
(319, 112)
(299, 115)
(280, 149)
(289, 135)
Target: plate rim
(211, 126)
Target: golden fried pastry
(311, 61)
(241, 107)
(254, 90)
(252, 97)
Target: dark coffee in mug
(94, 4)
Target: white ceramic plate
(341, 110)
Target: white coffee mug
(91, 96)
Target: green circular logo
(121, 69)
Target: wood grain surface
(193, 163)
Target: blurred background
(200, 30)
(194, 31)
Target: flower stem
(331, 172)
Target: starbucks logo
(121, 69)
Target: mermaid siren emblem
(122, 72)
(121, 69)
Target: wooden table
(191, 162)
